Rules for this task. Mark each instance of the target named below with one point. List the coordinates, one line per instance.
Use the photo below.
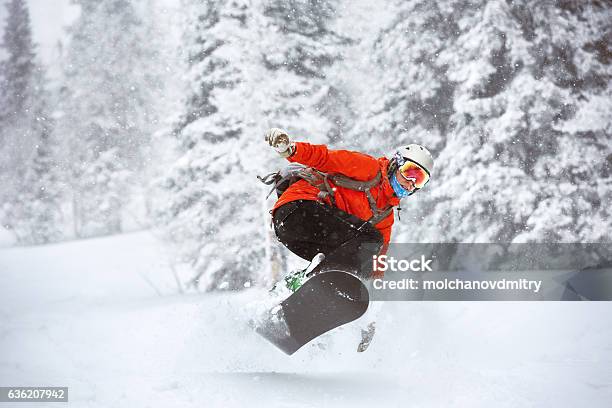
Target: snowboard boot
(295, 280)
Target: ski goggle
(415, 173)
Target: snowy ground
(101, 316)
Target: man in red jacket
(343, 200)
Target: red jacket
(355, 165)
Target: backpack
(282, 179)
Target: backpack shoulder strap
(381, 215)
(365, 186)
(353, 184)
(321, 181)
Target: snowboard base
(324, 302)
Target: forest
(153, 119)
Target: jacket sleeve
(358, 166)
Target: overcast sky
(49, 18)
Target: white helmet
(417, 154)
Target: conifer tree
(36, 211)
(17, 87)
(298, 47)
(213, 205)
(252, 65)
(108, 112)
(496, 89)
(31, 191)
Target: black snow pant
(308, 227)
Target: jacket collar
(387, 190)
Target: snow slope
(102, 317)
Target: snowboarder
(335, 201)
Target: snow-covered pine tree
(36, 212)
(517, 84)
(514, 75)
(17, 72)
(411, 98)
(213, 209)
(252, 65)
(412, 101)
(108, 111)
(485, 193)
(298, 48)
(572, 49)
(31, 192)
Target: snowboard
(324, 302)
